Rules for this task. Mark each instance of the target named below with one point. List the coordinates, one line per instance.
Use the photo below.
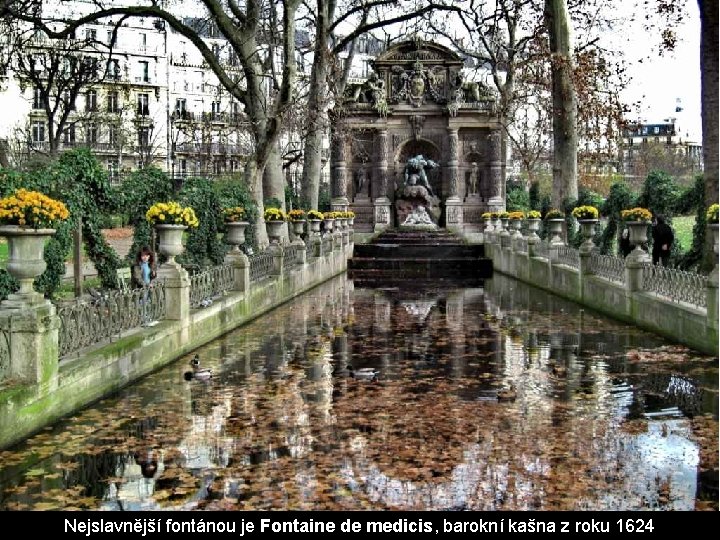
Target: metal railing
(541, 250)
(292, 255)
(260, 266)
(108, 316)
(676, 285)
(608, 267)
(568, 256)
(209, 284)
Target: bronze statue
(415, 172)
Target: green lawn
(3, 252)
(683, 227)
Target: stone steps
(397, 256)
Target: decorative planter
(26, 249)
(587, 228)
(329, 223)
(235, 235)
(488, 225)
(638, 233)
(555, 229)
(533, 226)
(515, 225)
(342, 223)
(315, 225)
(274, 231)
(170, 241)
(504, 225)
(298, 227)
(351, 221)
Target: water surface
(493, 398)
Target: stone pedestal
(241, 270)
(278, 254)
(454, 214)
(29, 345)
(177, 291)
(382, 214)
(634, 264)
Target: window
(216, 51)
(113, 101)
(143, 42)
(38, 131)
(144, 72)
(68, 100)
(180, 105)
(113, 168)
(656, 130)
(69, 135)
(91, 101)
(143, 103)
(215, 107)
(112, 136)
(91, 132)
(38, 101)
(182, 166)
(113, 70)
(91, 34)
(144, 137)
(109, 37)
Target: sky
(658, 80)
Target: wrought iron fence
(4, 353)
(676, 285)
(107, 316)
(541, 250)
(260, 266)
(608, 267)
(292, 255)
(209, 284)
(569, 256)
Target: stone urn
(351, 221)
(515, 225)
(555, 229)
(587, 229)
(274, 230)
(235, 235)
(298, 227)
(329, 223)
(315, 225)
(488, 225)
(533, 225)
(170, 241)
(638, 233)
(26, 249)
(342, 223)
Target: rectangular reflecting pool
(499, 397)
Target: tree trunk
(312, 150)
(254, 177)
(274, 182)
(564, 103)
(709, 98)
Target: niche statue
(415, 174)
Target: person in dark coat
(624, 244)
(663, 238)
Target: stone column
(338, 184)
(383, 220)
(29, 345)
(241, 270)
(634, 264)
(277, 253)
(177, 292)
(453, 204)
(496, 201)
